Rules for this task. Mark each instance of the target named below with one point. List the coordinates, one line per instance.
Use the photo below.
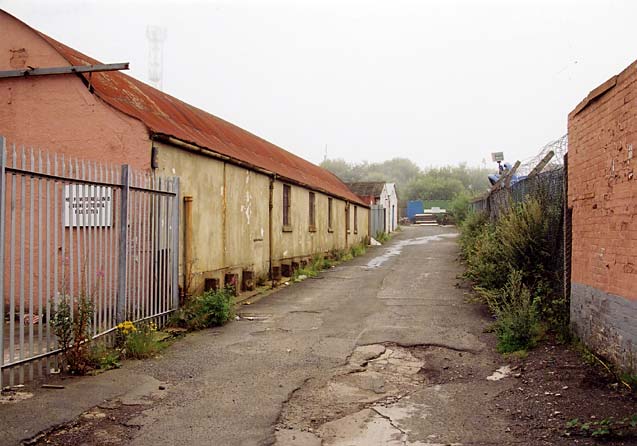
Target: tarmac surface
(381, 350)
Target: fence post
(3, 149)
(175, 247)
(123, 246)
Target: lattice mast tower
(156, 36)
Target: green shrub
(104, 358)
(473, 224)
(337, 254)
(309, 271)
(459, 207)
(71, 325)
(141, 342)
(382, 237)
(522, 245)
(211, 309)
(517, 325)
(358, 250)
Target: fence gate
(73, 229)
(377, 217)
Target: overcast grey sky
(434, 81)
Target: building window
(312, 210)
(347, 217)
(355, 219)
(287, 195)
(329, 215)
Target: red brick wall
(602, 188)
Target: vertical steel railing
(75, 229)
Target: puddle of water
(502, 372)
(397, 248)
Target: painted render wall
(602, 193)
(300, 241)
(230, 213)
(389, 200)
(57, 112)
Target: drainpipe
(270, 230)
(347, 223)
(188, 246)
(224, 218)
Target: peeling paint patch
(247, 208)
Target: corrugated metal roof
(164, 114)
(367, 188)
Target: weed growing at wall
(212, 308)
(71, 324)
(358, 249)
(104, 358)
(517, 325)
(138, 341)
(383, 237)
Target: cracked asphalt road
(380, 350)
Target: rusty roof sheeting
(367, 188)
(164, 114)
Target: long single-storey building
(253, 209)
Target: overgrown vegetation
(104, 358)
(382, 237)
(138, 341)
(515, 264)
(70, 322)
(321, 262)
(358, 250)
(604, 428)
(211, 309)
(517, 324)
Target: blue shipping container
(414, 207)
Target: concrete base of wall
(606, 323)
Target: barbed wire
(559, 147)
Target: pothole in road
(363, 401)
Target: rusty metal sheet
(164, 114)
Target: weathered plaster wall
(201, 178)
(57, 112)
(301, 241)
(231, 217)
(247, 219)
(602, 192)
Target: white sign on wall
(88, 206)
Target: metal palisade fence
(74, 229)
